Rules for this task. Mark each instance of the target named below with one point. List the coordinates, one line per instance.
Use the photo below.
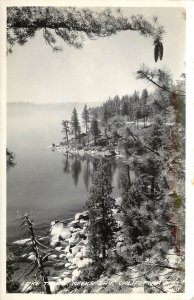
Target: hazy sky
(101, 69)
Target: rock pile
(71, 243)
(69, 251)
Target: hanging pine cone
(161, 51)
(158, 51)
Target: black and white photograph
(95, 149)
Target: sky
(101, 69)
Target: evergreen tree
(157, 138)
(10, 159)
(86, 117)
(144, 98)
(75, 123)
(147, 215)
(101, 221)
(125, 109)
(65, 129)
(105, 113)
(136, 114)
(94, 129)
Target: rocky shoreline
(103, 152)
(68, 244)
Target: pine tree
(125, 109)
(94, 129)
(10, 159)
(144, 98)
(157, 138)
(147, 215)
(65, 129)
(86, 117)
(75, 123)
(101, 220)
(105, 113)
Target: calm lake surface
(51, 185)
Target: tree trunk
(38, 257)
(67, 136)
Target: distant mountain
(54, 105)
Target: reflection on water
(86, 166)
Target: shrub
(92, 272)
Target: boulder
(79, 255)
(83, 222)
(52, 257)
(65, 233)
(72, 267)
(63, 243)
(31, 257)
(75, 250)
(67, 249)
(67, 265)
(66, 281)
(83, 231)
(56, 228)
(26, 287)
(62, 256)
(59, 265)
(69, 255)
(66, 274)
(74, 261)
(54, 241)
(74, 224)
(54, 287)
(59, 231)
(74, 239)
(75, 274)
(82, 243)
(83, 216)
(22, 242)
(83, 263)
(54, 278)
(72, 229)
(24, 255)
(58, 248)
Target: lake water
(48, 184)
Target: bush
(115, 263)
(92, 272)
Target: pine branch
(143, 75)
(136, 138)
